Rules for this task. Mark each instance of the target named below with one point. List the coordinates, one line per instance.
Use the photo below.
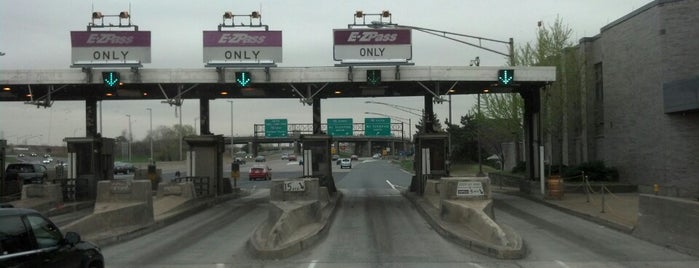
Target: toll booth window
(437, 154)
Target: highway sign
(377, 126)
(340, 127)
(110, 46)
(372, 44)
(242, 46)
(275, 128)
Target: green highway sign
(377, 126)
(340, 127)
(275, 128)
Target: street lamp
(406, 109)
(150, 134)
(232, 144)
(130, 136)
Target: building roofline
(637, 12)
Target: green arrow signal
(506, 76)
(243, 81)
(111, 80)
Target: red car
(292, 157)
(260, 172)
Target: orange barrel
(555, 186)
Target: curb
(303, 243)
(607, 223)
(477, 246)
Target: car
(21, 155)
(123, 167)
(345, 163)
(47, 155)
(335, 157)
(260, 172)
(354, 157)
(239, 161)
(28, 239)
(292, 157)
(33, 154)
(260, 158)
(376, 156)
(285, 156)
(47, 161)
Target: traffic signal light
(111, 79)
(373, 77)
(506, 77)
(243, 78)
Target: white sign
(110, 46)
(469, 188)
(242, 46)
(372, 44)
(294, 186)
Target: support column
(370, 149)
(428, 117)
(91, 117)
(532, 131)
(316, 116)
(204, 117)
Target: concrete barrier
(119, 204)
(669, 221)
(460, 209)
(173, 195)
(299, 214)
(40, 197)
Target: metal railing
(73, 189)
(201, 184)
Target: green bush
(594, 170)
(520, 167)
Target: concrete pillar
(91, 117)
(204, 117)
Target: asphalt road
(376, 227)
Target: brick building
(638, 104)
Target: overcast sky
(34, 34)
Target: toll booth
(90, 160)
(205, 161)
(317, 162)
(431, 159)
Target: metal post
(478, 137)
(195, 125)
(179, 133)
(232, 144)
(602, 189)
(150, 135)
(130, 136)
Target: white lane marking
(220, 265)
(475, 264)
(312, 264)
(562, 264)
(409, 173)
(391, 184)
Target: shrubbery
(594, 170)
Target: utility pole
(150, 112)
(232, 144)
(130, 136)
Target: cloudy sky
(34, 34)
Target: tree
(436, 125)
(507, 109)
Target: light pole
(478, 136)
(130, 136)
(150, 134)
(232, 144)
